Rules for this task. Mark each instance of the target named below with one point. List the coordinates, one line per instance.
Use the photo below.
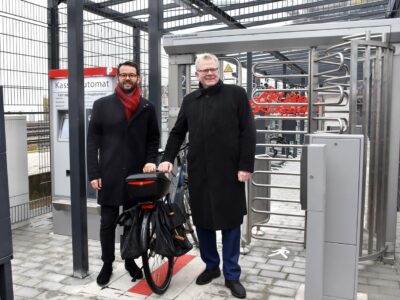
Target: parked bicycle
(148, 226)
(180, 192)
(140, 236)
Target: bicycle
(150, 223)
(180, 194)
(150, 190)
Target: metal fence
(23, 212)
(23, 73)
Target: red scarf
(130, 103)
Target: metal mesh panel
(23, 73)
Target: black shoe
(133, 270)
(207, 276)
(105, 274)
(237, 289)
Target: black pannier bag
(130, 239)
(171, 239)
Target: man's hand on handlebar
(149, 167)
(165, 167)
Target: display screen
(63, 133)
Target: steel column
(155, 29)
(53, 35)
(77, 139)
(136, 45)
(249, 83)
(6, 286)
(394, 149)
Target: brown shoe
(207, 276)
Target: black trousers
(108, 216)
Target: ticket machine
(98, 82)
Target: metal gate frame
(301, 36)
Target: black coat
(117, 147)
(222, 141)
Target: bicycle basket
(147, 186)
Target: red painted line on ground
(143, 288)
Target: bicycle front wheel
(157, 268)
(188, 216)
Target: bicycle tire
(157, 268)
(188, 219)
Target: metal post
(155, 29)
(249, 64)
(6, 286)
(301, 123)
(366, 126)
(136, 45)
(353, 88)
(393, 169)
(77, 139)
(53, 35)
(312, 94)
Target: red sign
(98, 71)
(282, 110)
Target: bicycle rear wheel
(157, 268)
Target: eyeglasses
(206, 71)
(124, 75)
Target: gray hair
(206, 56)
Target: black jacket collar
(212, 90)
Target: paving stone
(281, 291)
(269, 267)
(255, 259)
(27, 292)
(54, 277)
(292, 270)
(280, 262)
(287, 284)
(278, 275)
(298, 278)
(299, 265)
(259, 279)
(49, 285)
(250, 271)
(278, 297)
(32, 282)
(52, 295)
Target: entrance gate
(345, 87)
(347, 90)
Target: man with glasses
(123, 138)
(222, 140)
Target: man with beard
(123, 139)
(222, 140)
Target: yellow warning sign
(228, 69)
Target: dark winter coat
(222, 141)
(117, 147)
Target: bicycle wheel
(188, 216)
(157, 268)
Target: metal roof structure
(201, 15)
(188, 16)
